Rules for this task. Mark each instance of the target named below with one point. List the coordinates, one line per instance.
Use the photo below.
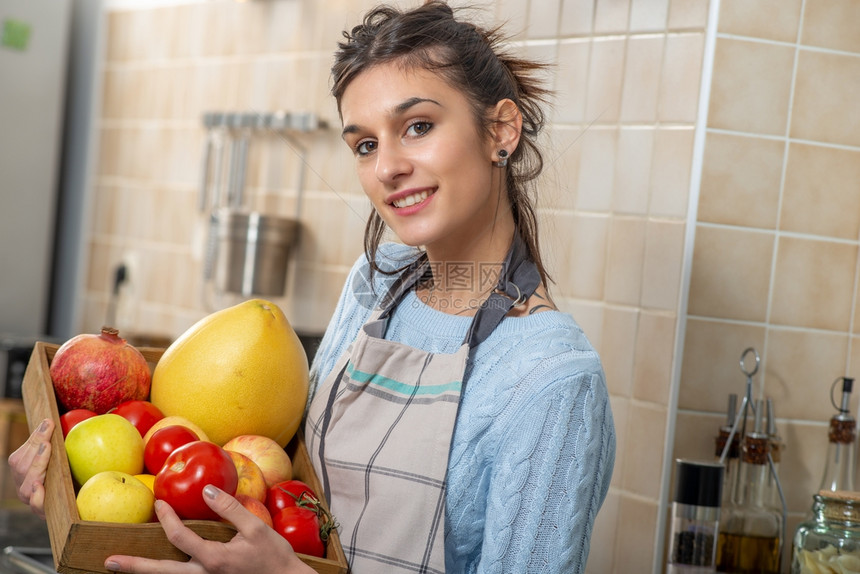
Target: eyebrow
(398, 109)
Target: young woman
(459, 421)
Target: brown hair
(470, 59)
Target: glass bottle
(750, 538)
(695, 517)
(730, 477)
(839, 466)
(830, 540)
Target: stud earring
(503, 158)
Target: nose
(391, 164)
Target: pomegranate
(98, 372)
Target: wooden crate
(82, 546)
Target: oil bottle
(751, 536)
(839, 466)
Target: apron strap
(324, 429)
(518, 281)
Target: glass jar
(830, 540)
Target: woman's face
(421, 160)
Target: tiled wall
(614, 197)
(775, 263)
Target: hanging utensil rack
(222, 197)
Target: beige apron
(379, 430)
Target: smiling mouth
(411, 199)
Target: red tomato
(73, 417)
(187, 470)
(142, 414)
(286, 493)
(301, 528)
(163, 442)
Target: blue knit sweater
(534, 444)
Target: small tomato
(301, 527)
(163, 442)
(142, 414)
(73, 417)
(187, 470)
(287, 493)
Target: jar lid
(847, 495)
(698, 483)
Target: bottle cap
(698, 483)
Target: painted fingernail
(44, 426)
(41, 448)
(111, 565)
(210, 491)
(158, 505)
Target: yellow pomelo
(238, 371)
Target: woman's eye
(365, 147)
(419, 128)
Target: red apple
(256, 507)
(251, 480)
(272, 459)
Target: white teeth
(411, 199)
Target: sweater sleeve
(549, 479)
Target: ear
(506, 128)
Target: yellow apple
(113, 496)
(251, 480)
(147, 479)
(104, 442)
(272, 459)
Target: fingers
(29, 464)
(177, 533)
(231, 510)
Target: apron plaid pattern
(379, 431)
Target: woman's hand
(255, 548)
(28, 465)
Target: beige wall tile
(572, 81)
(543, 19)
(813, 284)
(581, 255)
(625, 260)
(653, 357)
(642, 79)
(661, 274)
(825, 98)
(611, 16)
(577, 17)
(634, 543)
(695, 436)
(688, 14)
(710, 371)
(516, 12)
(680, 80)
(730, 275)
(643, 451)
(605, 78)
(313, 299)
(649, 15)
(750, 89)
(601, 556)
(802, 462)
(800, 367)
(670, 172)
(832, 24)
(822, 196)
(588, 315)
(767, 19)
(853, 368)
(597, 165)
(618, 349)
(633, 170)
(740, 180)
